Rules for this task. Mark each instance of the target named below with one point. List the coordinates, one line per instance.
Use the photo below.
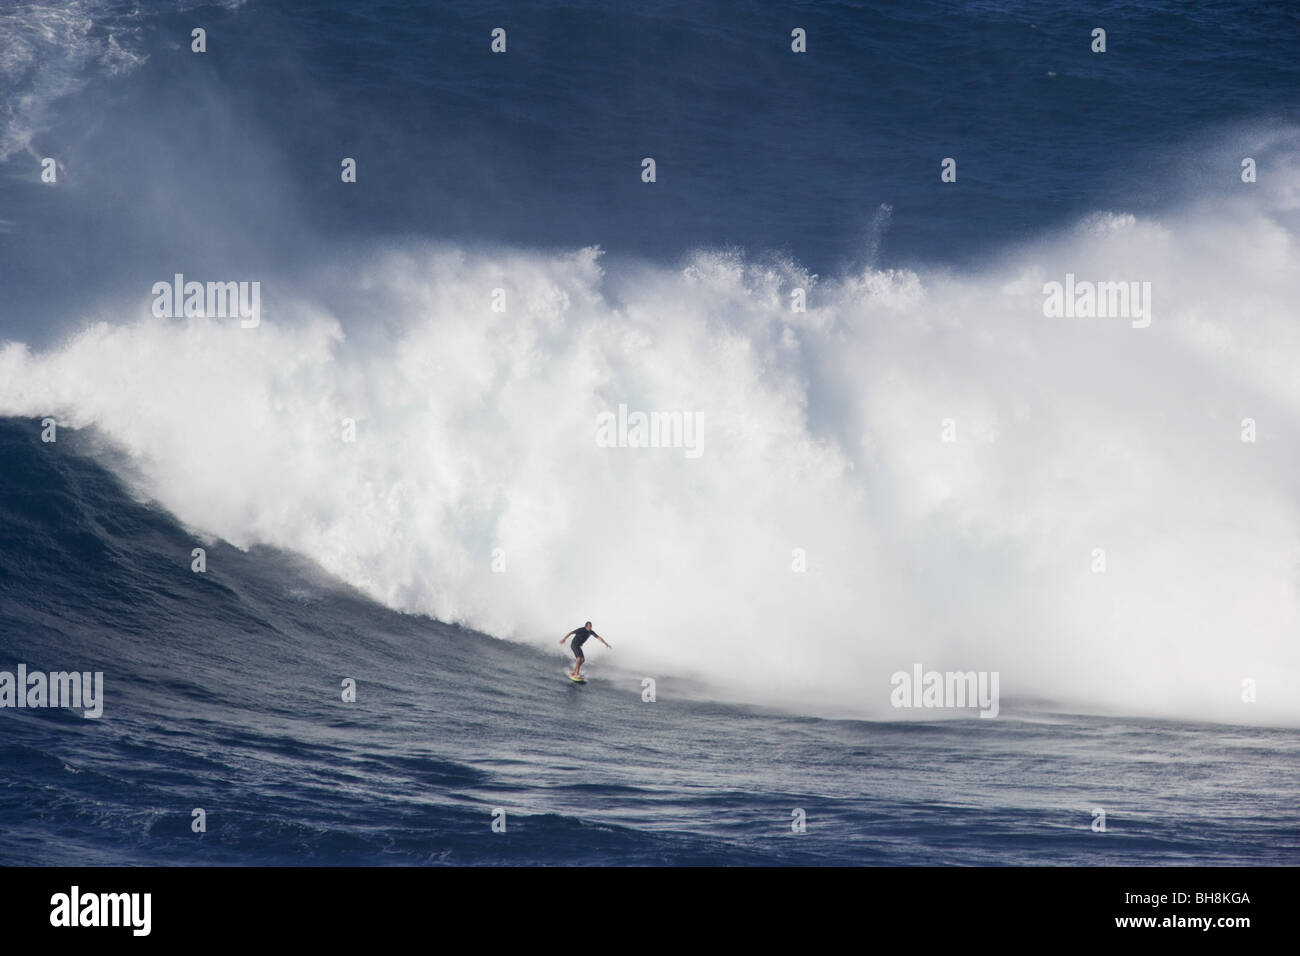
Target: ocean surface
(396, 489)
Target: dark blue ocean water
(223, 689)
(230, 160)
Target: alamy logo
(650, 430)
(1098, 300)
(216, 300)
(103, 909)
(949, 689)
(56, 689)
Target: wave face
(476, 437)
(221, 692)
(476, 490)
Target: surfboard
(578, 680)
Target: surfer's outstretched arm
(601, 639)
(570, 634)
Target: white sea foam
(475, 432)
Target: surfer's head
(588, 624)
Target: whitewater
(920, 467)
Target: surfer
(580, 635)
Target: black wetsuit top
(580, 635)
